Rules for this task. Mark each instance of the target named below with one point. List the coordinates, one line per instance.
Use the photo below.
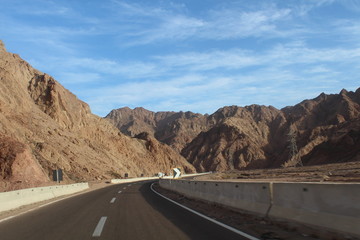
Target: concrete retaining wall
(330, 206)
(253, 197)
(15, 199)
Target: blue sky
(188, 55)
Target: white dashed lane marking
(119, 192)
(99, 227)
(112, 200)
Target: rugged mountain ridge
(175, 129)
(326, 128)
(43, 126)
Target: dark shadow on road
(192, 225)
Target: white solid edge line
(99, 227)
(206, 217)
(112, 200)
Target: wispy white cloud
(234, 23)
(280, 55)
(172, 28)
(159, 93)
(37, 7)
(228, 61)
(165, 57)
(219, 24)
(106, 67)
(346, 31)
(352, 5)
(319, 69)
(295, 70)
(198, 61)
(304, 7)
(48, 40)
(79, 78)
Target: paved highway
(121, 212)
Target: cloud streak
(271, 72)
(191, 55)
(215, 25)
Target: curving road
(121, 212)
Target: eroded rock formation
(44, 126)
(326, 131)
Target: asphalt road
(121, 212)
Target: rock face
(241, 138)
(328, 127)
(326, 130)
(43, 126)
(173, 128)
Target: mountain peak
(2, 46)
(343, 92)
(44, 126)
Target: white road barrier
(15, 199)
(334, 206)
(128, 180)
(253, 197)
(247, 236)
(331, 206)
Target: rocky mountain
(328, 127)
(325, 129)
(241, 138)
(43, 126)
(176, 129)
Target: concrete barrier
(128, 180)
(330, 206)
(334, 206)
(252, 197)
(15, 199)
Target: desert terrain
(43, 126)
(324, 130)
(337, 172)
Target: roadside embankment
(330, 206)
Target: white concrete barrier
(15, 199)
(331, 206)
(126, 180)
(252, 197)
(334, 206)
